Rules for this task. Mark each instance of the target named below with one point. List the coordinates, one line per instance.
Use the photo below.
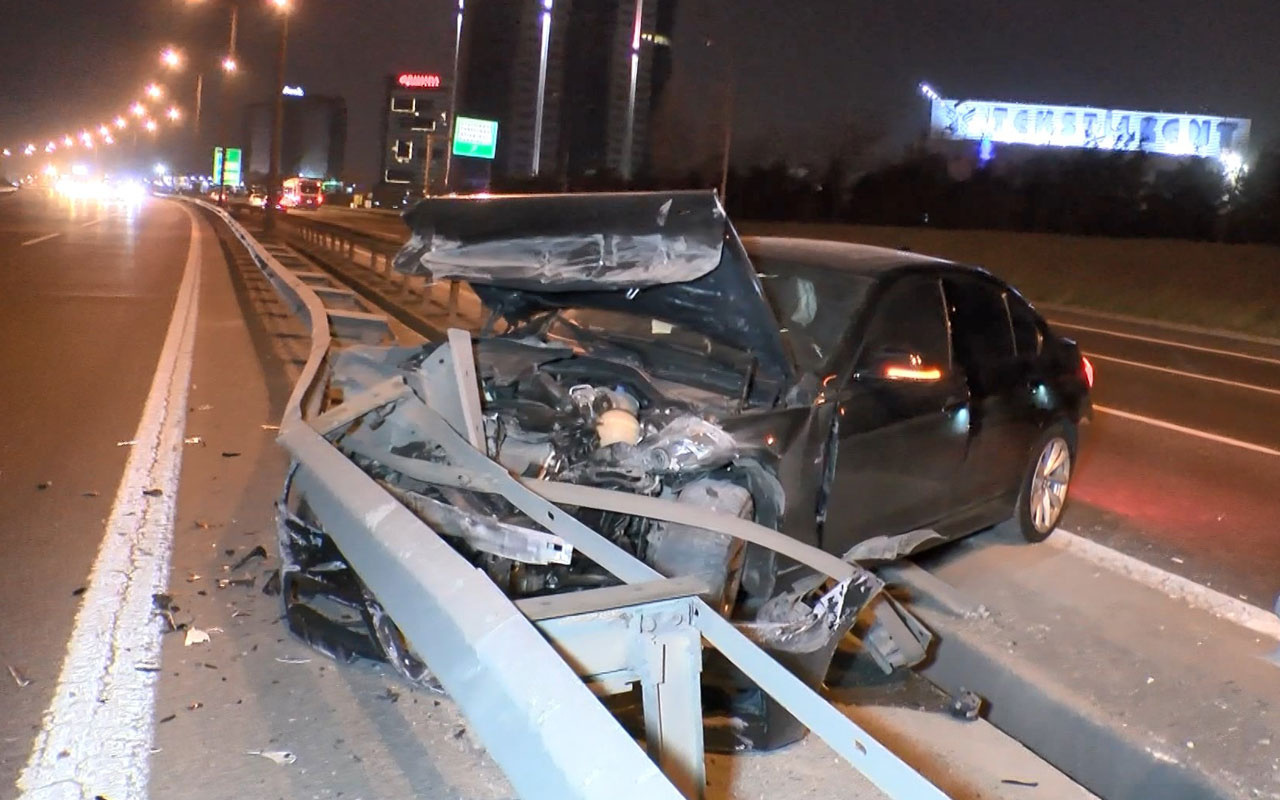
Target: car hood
(670, 255)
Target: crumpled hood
(670, 255)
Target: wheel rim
(1049, 485)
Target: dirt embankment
(1232, 286)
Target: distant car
(301, 193)
(258, 198)
(864, 401)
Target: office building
(570, 82)
(314, 140)
(415, 122)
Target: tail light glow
(1086, 366)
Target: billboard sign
(233, 175)
(475, 138)
(1084, 126)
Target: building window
(403, 151)
(404, 105)
(398, 176)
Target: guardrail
(507, 664)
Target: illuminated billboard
(1084, 126)
(419, 80)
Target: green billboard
(233, 176)
(475, 138)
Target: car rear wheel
(1043, 495)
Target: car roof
(862, 258)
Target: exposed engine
(549, 420)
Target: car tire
(1046, 482)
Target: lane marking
(93, 222)
(1180, 327)
(1169, 426)
(95, 739)
(1170, 343)
(40, 239)
(1196, 595)
(1238, 384)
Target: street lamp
(138, 110)
(171, 58)
(229, 65)
(174, 114)
(282, 7)
(121, 123)
(150, 125)
(154, 91)
(67, 141)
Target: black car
(863, 401)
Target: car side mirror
(897, 364)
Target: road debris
(202, 525)
(230, 454)
(294, 660)
(270, 427)
(195, 706)
(1176, 560)
(271, 587)
(390, 695)
(247, 582)
(195, 636)
(205, 407)
(281, 757)
(78, 591)
(966, 705)
(193, 577)
(18, 677)
(257, 552)
(169, 718)
(153, 492)
(42, 485)
(1016, 782)
(194, 440)
(127, 443)
(91, 493)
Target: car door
(1003, 420)
(900, 426)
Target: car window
(1027, 338)
(814, 306)
(979, 321)
(910, 318)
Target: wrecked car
(863, 403)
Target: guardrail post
(453, 303)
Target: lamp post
(277, 118)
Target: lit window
(404, 105)
(396, 176)
(403, 151)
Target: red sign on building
(419, 80)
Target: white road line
(40, 239)
(1168, 342)
(97, 732)
(1177, 587)
(1238, 384)
(93, 222)
(1169, 426)
(1180, 327)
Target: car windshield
(814, 306)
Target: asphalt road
(86, 293)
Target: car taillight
(1086, 367)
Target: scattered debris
(163, 602)
(1150, 680)
(271, 587)
(18, 678)
(42, 485)
(459, 733)
(202, 525)
(391, 695)
(195, 636)
(296, 661)
(248, 582)
(230, 551)
(238, 613)
(127, 443)
(77, 592)
(230, 454)
(205, 407)
(193, 577)
(194, 440)
(257, 552)
(281, 757)
(147, 668)
(270, 427)
(169, 718)
(196, 706)
(153, 492)
(91, 493)
(966, 705)
(1176, 560)
(1016, 782)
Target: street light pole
(277, 124)
(453, 96)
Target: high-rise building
(314, 137)
(570, 82)
(415, 131)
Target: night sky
(810, 76)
